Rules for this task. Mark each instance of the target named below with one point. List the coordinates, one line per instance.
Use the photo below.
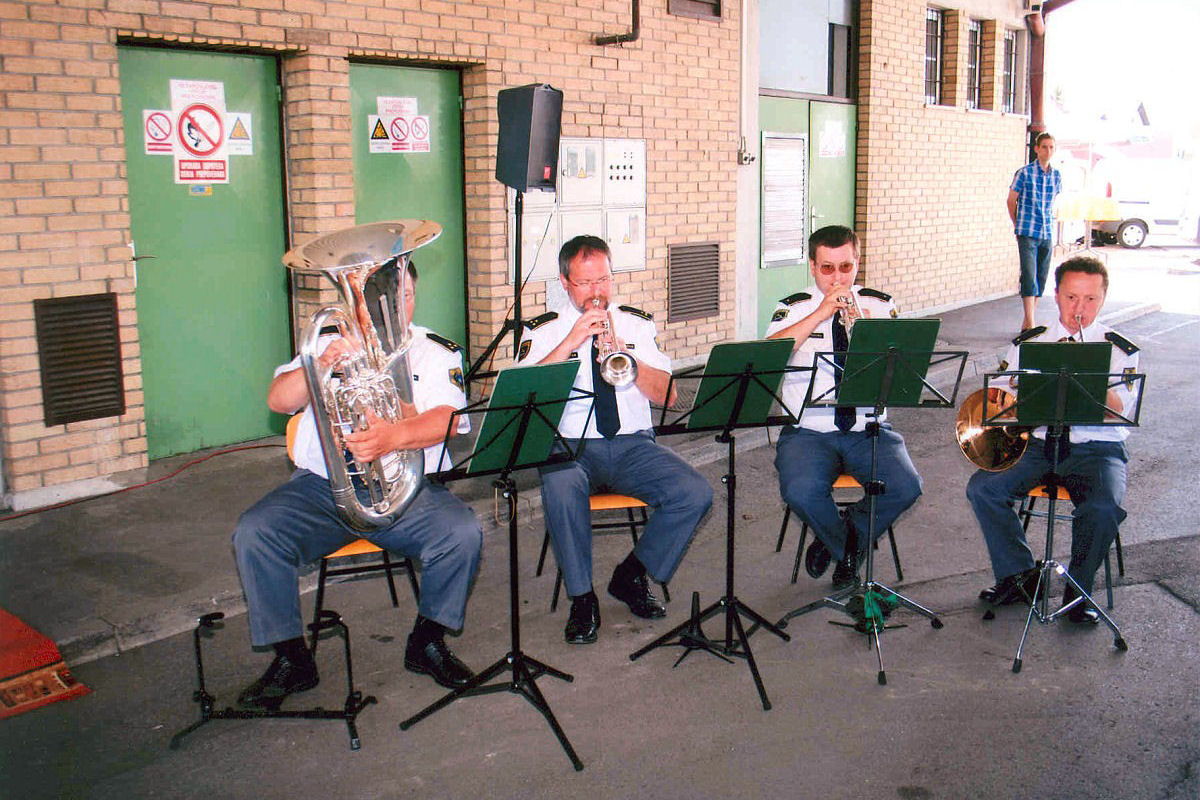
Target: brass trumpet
(617, 367)
(994, 448)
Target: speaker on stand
(526, 158)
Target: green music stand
(738, 388)
(519, 430)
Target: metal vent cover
(79, 351)
(693, 281)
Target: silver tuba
(369, 266)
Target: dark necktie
(843, 416)
(608, 421)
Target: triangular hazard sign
(239, 130)
(379, 132)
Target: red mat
(32, 672)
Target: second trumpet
(617, 367)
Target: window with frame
(935, 36)
(701, 9)
(1009, 79)
(974, 62)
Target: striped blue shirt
(1036, 189)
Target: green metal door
(212, 301)
(402, 179)
(831, 129)
(832, 132)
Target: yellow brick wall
(63, 197)
(932, 180)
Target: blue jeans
(634, 465)
(297, 523)
(1035, 264)
(1093, 473)
(809, 462)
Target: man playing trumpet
(619, 453)
(1093, 471)
(830, 441)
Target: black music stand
(1058, 396)
(886, 365)
(732, 394)
(517, 435)
(355, 702)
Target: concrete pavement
(120, 574)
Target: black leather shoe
(817, 558)
(583, 623)
(635, 593)
(845, 572)
(282, 678)
(1081, 613)
(1018, 588)
(434, 658)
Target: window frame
(1008, 93)
(974, 63)
(936, 40)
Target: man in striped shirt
(1030, 201)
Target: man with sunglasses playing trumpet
(827, 441)
(619, 453)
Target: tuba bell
(369, 266)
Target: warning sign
(398, 128)
(156, 124)
(241, 133)
(198, 113)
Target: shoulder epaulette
(878, 295)
(443, 341)
(1121, 343)
(1029, 333)
(637, 312)
(798, 297)
(537, 322)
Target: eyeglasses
(590, 284)
(844, 268)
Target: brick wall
(932, 180)
(63, 197)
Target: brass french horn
(994, 448)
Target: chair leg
(787, 515)
(542, 557)
(412, 580)
(391, 583)
(895, 554)
(319, 601)
(1026, 512)
(557, 589)
(1108, 580)
(799, 550)
(1120, 557)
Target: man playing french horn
(619, 453)
(1092, 471)
(298, 523)
(830, 441)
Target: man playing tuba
(1093, 471)
(620, 454)
(298, 522)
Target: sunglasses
(844, 268)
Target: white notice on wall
(832, 143)
(156, 131)
(200, 138)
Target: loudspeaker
(527, 148)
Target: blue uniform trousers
(809, 462)
(634, 465)
(297, 523)
(1093, 473)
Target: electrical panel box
(601, 191)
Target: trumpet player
(298, 523)
(1092, 471)
(827, 442)
(619, 452)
